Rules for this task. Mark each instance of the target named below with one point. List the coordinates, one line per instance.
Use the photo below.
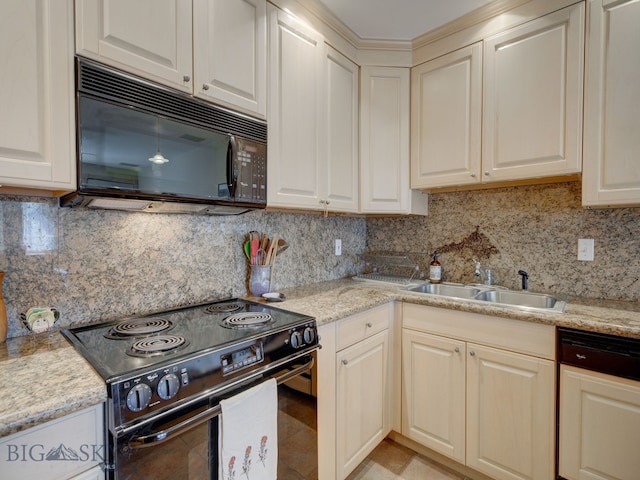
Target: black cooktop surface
(184, 332)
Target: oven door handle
(155, 438)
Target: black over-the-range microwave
(144, 147)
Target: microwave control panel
(251, 162)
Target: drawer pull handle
(472, 353)
(457, 349)
(369, 325)
(345, 362)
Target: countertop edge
(34, 375)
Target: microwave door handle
(232, 166)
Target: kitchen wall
(533, 228)
(96, 265)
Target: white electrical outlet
(338, 246)
(586, 249)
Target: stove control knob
(139, 397)
(168, 386)
(309, 335)
(296, 340)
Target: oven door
(182, 444)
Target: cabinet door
(510, 414)
(296, 153)
(384, 143)
(37, 125)
(434, 392)
(611, 141)
(40, 452)
(532, 121)
(150, 38)
(446, 119)
(362, 400)
(341, 101)
(230, 53)
(599, 425)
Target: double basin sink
(494, 295)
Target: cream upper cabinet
(150, 38)
(532, 116)
(446, 119)
(611, 167)
(599, 428)
(296, 176)
(341, 114)
(313, 120)
(37, 119)
(384, 143)
(230, 53)
(213, 49)
(505, 109)
(480, 390)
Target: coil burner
(157, 345)
(225, 307)
(247, 320)
(139, 327)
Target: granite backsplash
(531, 228)
(96, 264)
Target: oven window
(134, 151)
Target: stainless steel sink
(538, 301)
(446, 290)
(495, 295)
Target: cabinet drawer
(362, 325)
(514, 335)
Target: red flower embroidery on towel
(246, 465)
(263, 450)
(232, 472)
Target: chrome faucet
(486, 276)
(525, 279)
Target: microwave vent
(103, 82)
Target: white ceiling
(398, 19)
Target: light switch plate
(338, 246)
(586, 249)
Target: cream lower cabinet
(611, 170)
(37, 117)
(71, 447)
(354, 390)
(480, 390)
(599, 426)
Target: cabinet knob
(345, 362)
(473, 175)
(457, 349)
(369, 325)
(472, 353)
(205, 86)
(486, 174)
(186, 78)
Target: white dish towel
(248, 434)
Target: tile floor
(297, 449)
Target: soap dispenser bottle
(435, 269)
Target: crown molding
(472, 18)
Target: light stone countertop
(44, 378)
